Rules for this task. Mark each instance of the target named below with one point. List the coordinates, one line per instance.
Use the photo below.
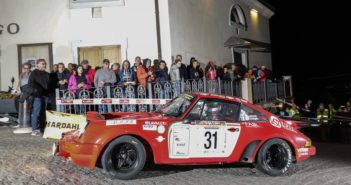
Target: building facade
(69, 31)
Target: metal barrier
(138, 98)
(267, 91)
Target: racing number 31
(209, 136)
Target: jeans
(176, 89)
(38, 113)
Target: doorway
(240, 57)
(96, 54)
(30, 53)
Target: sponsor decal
(281, 124)
(61, 125)
(161, 129)
(87, 101)
(155, 123)
(67, 101)
(123, 101)
(155, 101)
(275, 122)
(120, 122)
(150, 127)
(142, 101)
(251, 124)
(302, 151)
(287, 126)
(106, 101)
(58, 123)
(160, 139)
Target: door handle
(233, 129)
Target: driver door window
(211, 110)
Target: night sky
(312, 43)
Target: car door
(209, 130)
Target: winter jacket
(141, 75)
(73, 85)
(38, 83)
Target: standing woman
(79, 81)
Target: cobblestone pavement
(26, 159)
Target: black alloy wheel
(275, 158)
(124, 157)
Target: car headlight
(83, 128)
(308, 143)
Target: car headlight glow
(308, 143)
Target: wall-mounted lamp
(254, 11)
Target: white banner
(58, 123)
(112, 101)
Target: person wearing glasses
(24, 109)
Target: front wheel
(124, 157)
(275, 158)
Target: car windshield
(177, 106)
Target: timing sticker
(120, 122)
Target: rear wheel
(124, 157)
(275, 158)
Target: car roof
(230, 98)
(223, 97)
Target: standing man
(183, 72)
(38, 83)
(105, 76)
(322, 117)
(24, 108)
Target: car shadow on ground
(152, 170)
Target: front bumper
(81, 154)
(305, 153)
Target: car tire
(275, 158)
(124, 157)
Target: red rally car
(194, 128)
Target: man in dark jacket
(183, 72)
(38, 83)
(162, 77)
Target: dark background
(311, 42)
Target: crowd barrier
(139, 98)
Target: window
(30, 53)
(237, 17)
(178, 106)
(195, 113)
(250, 114)
(212, 110)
